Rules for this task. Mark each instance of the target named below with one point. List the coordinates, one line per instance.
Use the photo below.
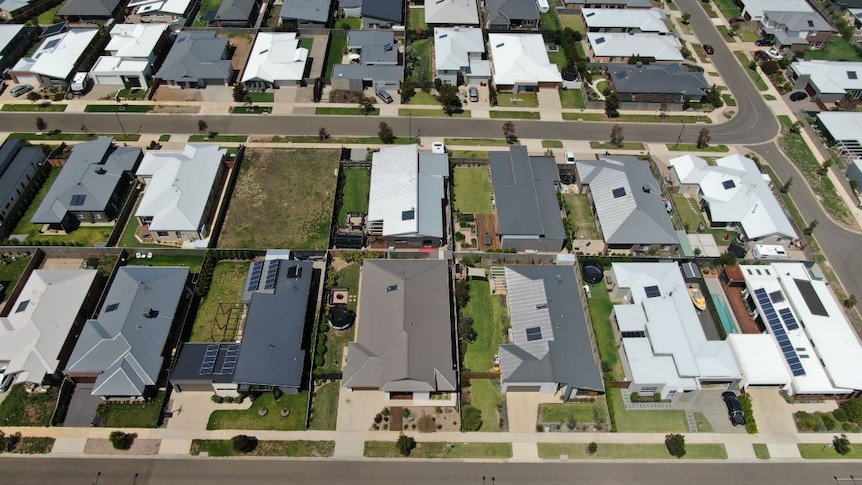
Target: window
(408, 215)
(112, 307)
(728, 184)
(648, 390)
(652, 291)
(633, 334)
(22, 306)
(162, 233)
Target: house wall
(544, 387)
(373, 23)
(10, 203)
(531, 243)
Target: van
(20, 90)
(80, 83)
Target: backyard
(472, 190)
(580, 216)
(838, 49)
(687, 210)
(324, 406)
(337, 45)
(135, 415)
(228, 282)
(574, 22)
(416, 19)
(206, 6)
(271, 420)
(354, 196)
(10, 272)
(600, 314)
(336, 340)
(282, 199)
(422, 67)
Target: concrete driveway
(82, 407)
(708, 402)
(773, 414)
(523, 409)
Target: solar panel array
(229, 363)
(210, 356)
(271, 273)
(256, 270)
(789, 319)
(779, 333)
(534, 333)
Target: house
(657, 83)
(92, 11)
(854, 172)
(277, 59)
(21, 10)
(91, 186)
(754, 9)
(828, 81)
(14, 42)
(734, 193)
(451, 13)
(407, 197)
(628, 202)
(378, 62)
(512, 14)
(132, 52)
(377, 14)
(608, 4)
(196, 60)
(809, 326)
(520, 63)
(305, 13)
(182, 192)
(552, 349)
(797, 31)
(41, 326)
(56, 60)
(122, 353)
(459, 56)
(404, 330)
(374, 47)
(525, 199)
(350, 8)
(623, 20)
(237, 13)
(619, 47)
(271, 352)
(174, 12)
(663, 347)
(844, 129)
(18, 165)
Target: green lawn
(754, 75)
(728, 8)
(691, 147)
(572, 98)
(122, 415)
(486, 395)
(552, 144)
(219, 138)
(582, 412)
(769, 97)
(662, 421)
(524, 100)
(548, 21)
(687, 210)
(206, 6)
(473, 154)
(266, 97)
(416, 19)
(600, 314)
(423, 69)
(709, 10)
(349, 278)
(827, 452)
(118, 108)
(10, 273)
(337, 45)
(472, 190)
(761, 451)
(515, 115)
(573, 21)
(728, 99)
(299, 448)
(346, 111)
(489, 314)
(580, 216)
(637, 118)
(350, 23)
(479, 142)
(458, 450)
(435, 113)
(558, 58)
(227, 285)
(627, 451)
(22, 409)
(324, 406)
(306, 42)
(249, 419)
(34, 107)
(838, 49)
(48, 17)
(354, 197)
(633, 145)
(423, 98)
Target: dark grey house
(657, 83)
(512, 14)
(237, 13)
(552, 348)
(305, 13)
(382, 13)
(525, 195)
(14, 42)
(91, 186)
(197, 59)
(91, 11)
(18, 165)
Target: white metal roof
(736, 191)
(135, 40)
(831, 76)
(616, 44)
(521, 59)
(645, 19)
(760, 359)
(842, 125)
(453, 46)
(58, 55)
(395, 189)
(454, 12)
(755, 8)
(180, 186)
(112, 65)
(276, 57)
(176, 7)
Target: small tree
(34, 96)
(752, 64)
(448, 97)
(244, 443)
(612, 105)
(841, 444)
(405, 444)
(239, 92)
(685, 18)
(795, 128)
(592, 447)
(853, 408)
(675, 444)
(322, 133)
(726, 259)
(811, 226)
(663, 110)
(408, 90)
(121, 441)
(713, 96)
(850, 301)
(385, 133)
(617, 136)
(471, 419)
(203, 128)
(786, 187)
(703, 138)
(824, 167)
(41, 124)
(509, 132)
(84, 129)
(367, 105)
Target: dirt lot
(164, 93)
(176, 109)
(242, 46)
(104, 447)
(283, 199)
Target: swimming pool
(724, 315)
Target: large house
(277, 59)
(56, 60)
(623, 20)
(512, 14)
(754, 9)
(845, 130)
(459, 56)
(381, 14)
(305, 13)
(196, 60)
(631, 211)
(404, 330)
(828, 81)
(14, 42)
(797, 31)
(19, 163)
(525, 198)
(174, 12)
(40, 328)
(377, 62)
(657, 83)
(122, 353)
(132, 52)
(734, 193)
(23, 10)
(237, 13)
(617, 4)
(451, 12)
(92, 11)
(91, 186)
(521, 64)
(619, 47)
(182, 192)
(552, 349)
(407, 198)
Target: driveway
(523, 409)
(82, 407)
(773, 414)
(708, 402)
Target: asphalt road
(38, 471)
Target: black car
(798, 96)
(734, 408)
(764, 42)
(761, 56)
(709, 49)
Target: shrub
(540, 428)
(405, 444)
(847, 427)
(841, 444)
(592, 447)
(228, 399)
(635, 396)
(122, 441)
(385, 412)
(853, 407)
(675, 444)
(244, 443)
(656, 397)
(839, 415)
(828, 421)
(471, 419)
(217, 399)
(405, 412)
(745, 402)
(378, 418)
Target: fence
(228, 191)
(125, 214)
(509, 258)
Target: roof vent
(151, 313)
(101, 171)
(647, 188)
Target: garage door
(31, 80)
(109, 80)
(523, 388)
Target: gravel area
(104, 447)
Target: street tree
(203, 128)
(675, 444)
(322, 133)
(850, 301)
(703, 138)
(448, 97)
(405, 444)
(617, 136)
(786, 187)
(612, 105)
(509, 132)
(385, 133)
(810, 229)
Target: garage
(523, 388)
(28, 79)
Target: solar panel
(78, 200)
(208, 362)
(533, 334)
(652, 291)
(619, 192)
(271, 273)
(728, 184)
(256, 270)
(229, 364)
(778, 331)
(788, 318)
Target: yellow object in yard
(697, 298)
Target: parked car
(761, 56)
(764, 42)
(734, 408)
(5, 380)
(382, 94)
(736, 20)
(474, 94)
(20, 90)
(570, 158)
(709, 49)
(438, 147)
(774, 54)
(798, 96)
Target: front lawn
(838, 49)
(692, 147)
(638, 118)
(761, 451)
(521, 100)
(629, 145)
(228, 282)
(515, 115)
(629, 451)
(22, 409)
(134, 415)
(600, 313)
(324, 406)
(457, 450)
(60, 136)
(472, 190)
(34, 107)
(580, 216)
(827, 452)
(432, 113)
(297, 449)
(478, 142)
(728, 8)
(337, 45)
(423, 98)
(489, 315)
(486, 396)
(250, 419)
(572, 98)
(354, 195)
(743, 59)
(265, 97)
(581, 412)
(647, 421)
(346, 111)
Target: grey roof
(308, 10)
(196, 55)
(377, 46)
(235, 10)
(657, 78)
(125, 346)
(799, 21)
(404, 330)
(271, 350)
(433, 169)
(626, 3)
(349, 3)
(628, 200)
(525, 193)
(16, 162)
(561, 350)
(377, 73)
(502, 11)
(391, 10)
(89, 8)
(90, 177)
(13, 5)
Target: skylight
(391, 288)
(112, 307)
(728, 184)
(22, 306)
(652, 291)
(78, 200)
(619, 192)
(408, 215)
(852, 75)
(533, 334)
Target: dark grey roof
(308, 10)
(376, 73)
(377, 46)
(196, 55)
(568, 358)
(525, 193)
(271, 350)
(16, 162)
(657, 78)
(90, 177)
(235, 10)
(190, 363)
(89, 8)
(391, 10)
(500, 12)
(349, 3)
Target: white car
(438, 147)
(773, 53)
(570, 158)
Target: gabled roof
(89, 8)
(8, 33)
(756, 8)
(376, 46)
(153, 7)
(453, 46)
(135, 40)
(832, 77)
(276, 57)
(235, 10)
(657, 78)
(13, 5)
(17, 162)
(180, 186)
(525, 194)
(308, 10)
(618, 44)
(521, 58)
(125, 345)
(389, 10)
(451, 12)
(550, 338)
(646, 20)
(196, 55)
(798, 21)
(736, 192)
(58, 54)
(404, 332)
(33, 334)
(628, 201)
(88, 180)
(502, 11)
